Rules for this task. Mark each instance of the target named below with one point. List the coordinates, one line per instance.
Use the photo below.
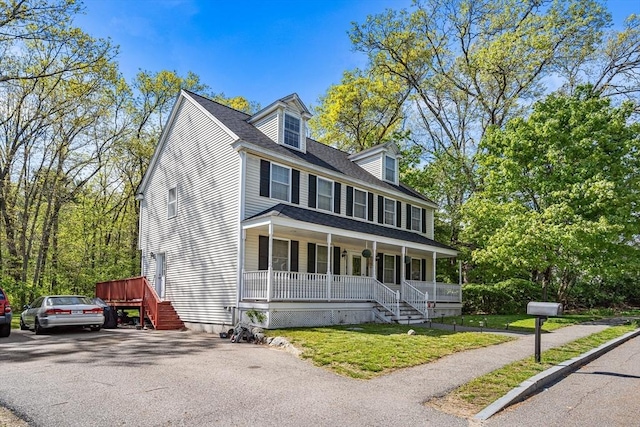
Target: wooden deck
(136, 292)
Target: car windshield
(68, 300)
(1, 296)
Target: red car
(5, 315)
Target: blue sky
(262, 50)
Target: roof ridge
(215, 102)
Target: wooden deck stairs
(137, 292)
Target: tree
(561, 192)
(362, 111)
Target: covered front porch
(370, 272)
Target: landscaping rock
(282, 343)
(411, 332)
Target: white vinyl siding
(198, 152)
(359, 203)
(269, 126)
(373, 165)
(325, 194)
(389, 211)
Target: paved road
(161, 378)
(606, 392)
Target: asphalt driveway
(159, 378)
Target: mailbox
(544, 308)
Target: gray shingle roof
(335, 221)
(317, 154)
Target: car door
(31, 312)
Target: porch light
(344, 253)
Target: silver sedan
(61, 310)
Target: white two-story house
(243, 212)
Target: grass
(370, 350)
(517, 322)
(474, 396)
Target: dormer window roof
(381, 161)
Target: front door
(160, 269)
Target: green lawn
(517, 322)
(472, 397)
(369, 350)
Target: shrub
(508, 297)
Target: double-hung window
(390, 165)
(359, 204)
(322, 259)
(280, 182)
(389, 211)
(416, 269)
(280, 255)
(389, 269)
(291, 131)
(172, 202)
(416, 218)
(325, 194)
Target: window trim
(288, 241)
(416, 217)
(366, 201)
(318, 246)
(385, 269)
(172, 202)
(289, 184)
(285, 130)
(386, 169)
(384, 211)
(332, 186)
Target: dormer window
(292, 131)
(390, 167)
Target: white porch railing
(416, 298)
(439, 292)
(293, 286)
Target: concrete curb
(537, 382)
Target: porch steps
(408, 315)
(166, 319)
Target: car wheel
(95, 328)
(5, 330)
(37, 328)
(23, 327)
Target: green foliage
(508, 297)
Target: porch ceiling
(304, 224)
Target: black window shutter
(407, 271)
(380, 267)
(424, 270)
(265, 177)
(312, 190)
(349, 200)
(408, 216)
(336, 260)
(294, 255)
(398, 213)
(337, 194)
(398, 267)
(380, 210)
(370, 206)
(295, 186)
(311, 258)
(424, 220)
(263, 252)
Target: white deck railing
(439, 292)
(386, 297)
(416, 298)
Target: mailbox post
(542, 310)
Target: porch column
(329, 263)
(243, 243)
(434, 277)
(375, 257)
(270, 265)
(403, 267)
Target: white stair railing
(387, 298)
(416, 298)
